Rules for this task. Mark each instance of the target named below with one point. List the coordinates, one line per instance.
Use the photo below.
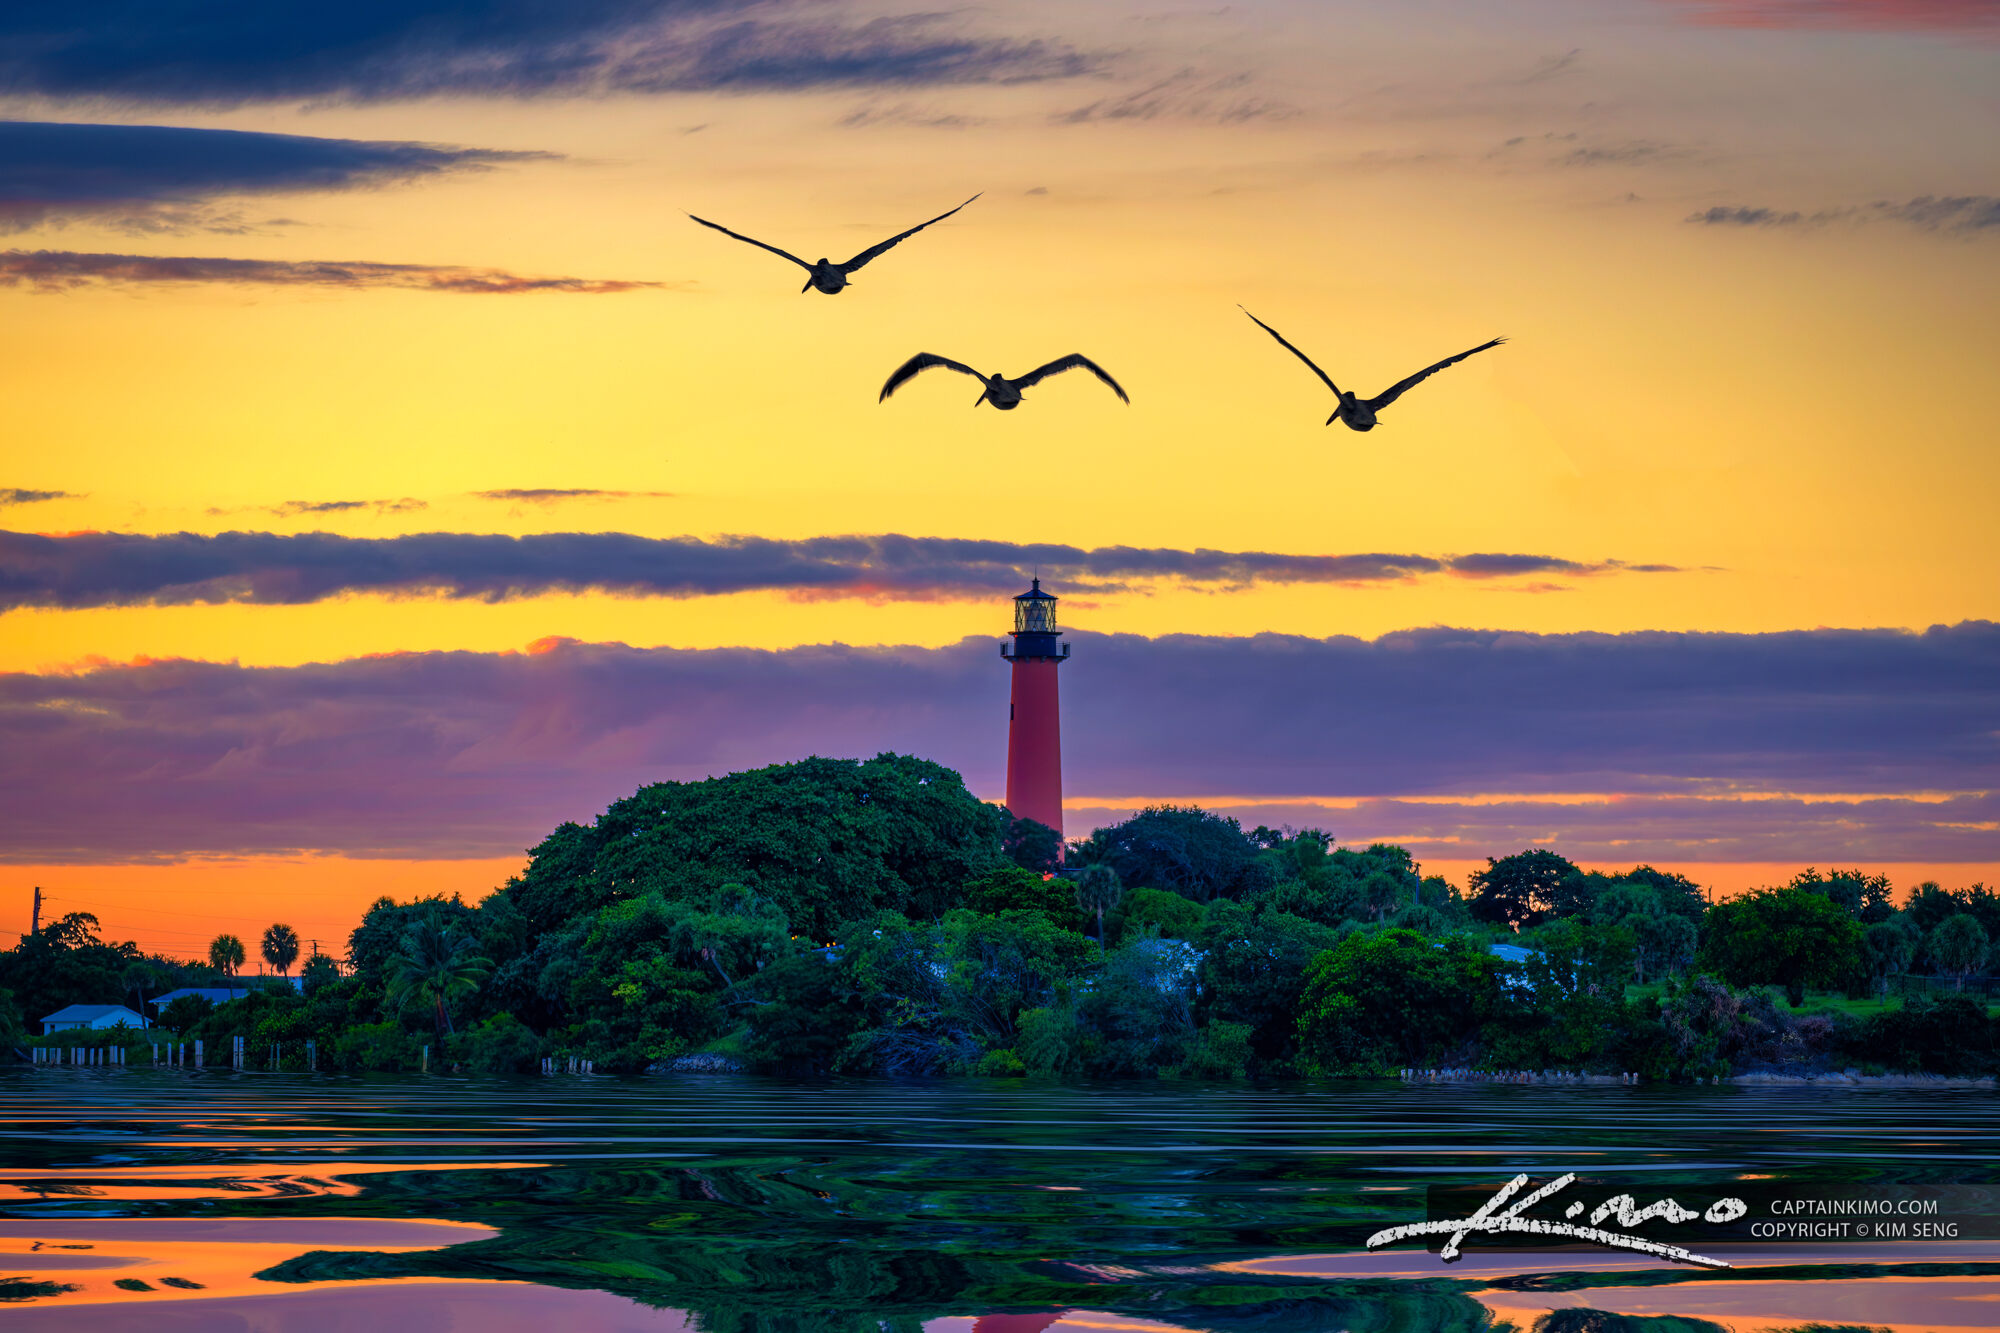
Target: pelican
(1360, 413)
(828, 276)
(1000, 391)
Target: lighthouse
(1034, 727)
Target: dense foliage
(849, 917)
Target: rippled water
(143, 1200)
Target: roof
(1034, 594)
(87, 1013)
(213, 994)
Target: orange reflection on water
(176, 1259)
(1897, 1304)
(278, 1181)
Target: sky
(391, 470)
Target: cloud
(15, 495)
(904, 113)
(1663, 830)
(1738, 215)
(548, 495)
(157, 178)
(229, 52)
(1183, 95)
(126, 569)
(1965, 212)
(1961, 214)
(64, 270)
(459, 754)
(296, 508)
(1880, 15)
(1634, 152)
(1550, 67)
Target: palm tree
(436, 963)
(281, 948)
(1098, 890)
(225, 954)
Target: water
(159, 1201)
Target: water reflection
(137, 1200)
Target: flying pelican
(1360, 413)
(1000, 391)
(828, 276)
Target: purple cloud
(66, 270)
(164, 178)
(122, 569)
(471, 754)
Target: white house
(91, 1016)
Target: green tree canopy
(1183, 849)
(1957, 947)
(1394, 999)
(1519, 890)
(1890, 947)
(1011, 888)
(1032, 845)
(1791, 937)
(826, 840)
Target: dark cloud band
(1961, 213)
(227, 52)
(457, 754)
(123, 569)
(157, 178)
(63, 270)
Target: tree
(281, 949)
(1957, 947)
(1890, 947)
(1253, 971)
(1394, 998)
(436, 964)
(1184, 849)
(1863, 896)
(66, 962)
(1791, 937)
(1519, 890)
(320, 970)
(1661, 940)
(1098, 890)
(1012, 889)
(1382, 892)
(226, 954)
(1032, 845)
(825, 840)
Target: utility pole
(36, 928)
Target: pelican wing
(920, 362)
(1073, 361)
(1401, 387)
(877, 251)
(752, 241)
(1324, 377)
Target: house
(213, 994)
(92, 1016)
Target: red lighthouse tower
(1034, 728)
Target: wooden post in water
(427, 1060)
(197, 1053)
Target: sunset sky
(392, 470)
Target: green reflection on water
(848, 1207)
